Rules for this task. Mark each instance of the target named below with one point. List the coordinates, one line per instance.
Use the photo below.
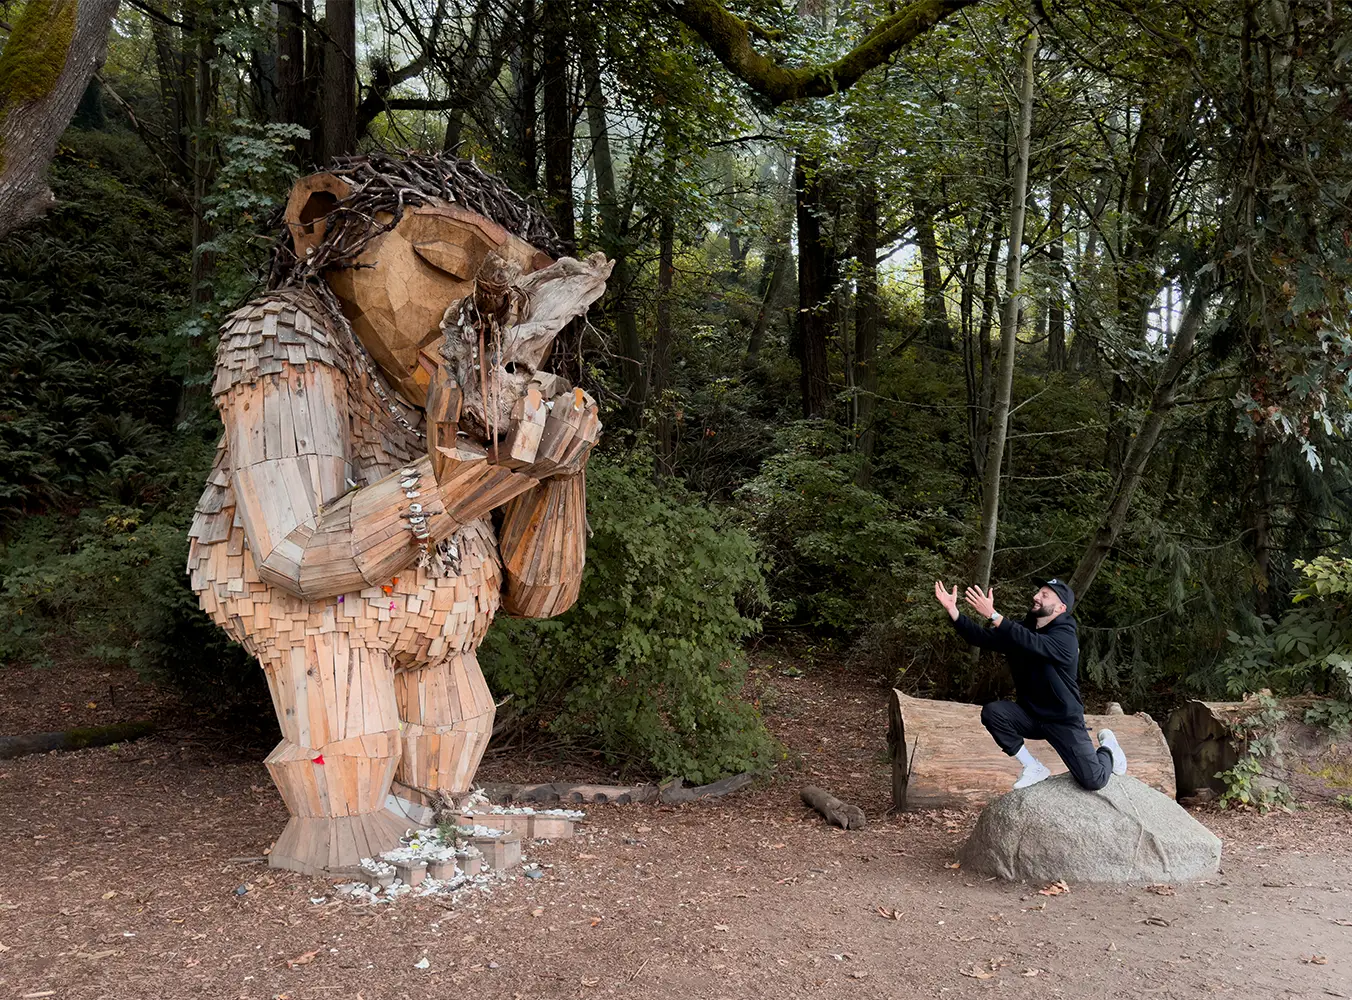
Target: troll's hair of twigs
(384, 183)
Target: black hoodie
(1044, 662)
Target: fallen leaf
(3, 946)
(721, 927)
(1315, 960)
(596, 920)
(1343, 923)
(778, 847)
(1156, 922)
(589, 983)
(110, 894)
(539, 911)
(1030, 972)
(975, 973)
(1055, 889)
(887, 914)
(1160, 890)
(1112, 946)
(91, 704)
(588, 857)
(305, 959)
(955, 865)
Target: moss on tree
(35, 55)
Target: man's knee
(1090, 773)
(996, 715)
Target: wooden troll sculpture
(395, 467)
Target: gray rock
(1125, 832)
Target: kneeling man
(1044, 654)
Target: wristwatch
(994, 617)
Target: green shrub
(648, 666)
(842, 556)
(115, 593)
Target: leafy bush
(1310, 648)
(115, 593)
(648, 666)
(842, 556)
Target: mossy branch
(730, 39)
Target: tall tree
(1009, 321)
(338, 98)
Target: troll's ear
(311, 200)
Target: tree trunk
(1262, 503)
(943, 758)
(995, 450)
(985, 382)
(937, 331)
(1141, 446)
(291, 103)
(203, 161)
(662, 337)
(1056, 302)
(614, 240)
(867, 320)
(814, 290)
(56, 46)
(527, 79)
(174, 98)
(339, 96)
(556, 33)
(777, 260)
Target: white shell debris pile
(573, 814)
(422, 847)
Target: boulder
(1124, 832)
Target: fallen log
(567, 791)
(942, 756)
(834, 811)
(73, 739)
(1208, 738)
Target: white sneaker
(1032, 774)
(1107, 739)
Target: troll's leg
(447, 713)
(340, 748)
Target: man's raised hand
(983, 603)
(949, 601)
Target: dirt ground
(117, 882)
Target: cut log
(1200, 735)
(836, 812)
(942, 756)
(1207, 738)
(73, 739)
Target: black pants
(1011, 725)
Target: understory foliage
(648, 666)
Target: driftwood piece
(1206, 738)
(675, 793)
(836, 812)
(942, 756)
(73, 739)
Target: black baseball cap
(1062, 590)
